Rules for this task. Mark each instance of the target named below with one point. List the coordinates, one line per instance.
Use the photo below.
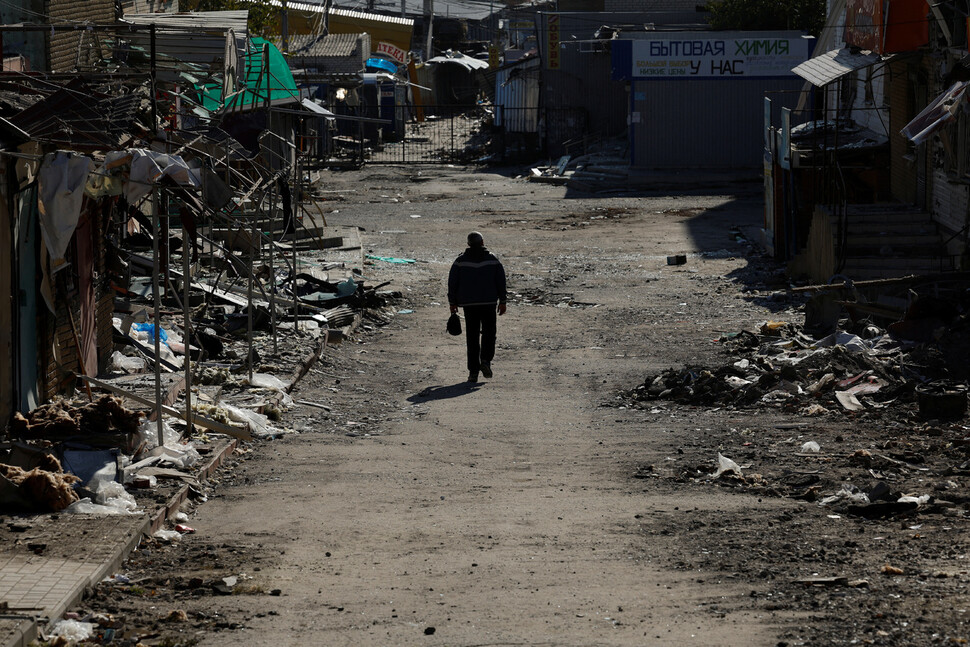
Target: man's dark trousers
(480, 324)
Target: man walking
(476, 283)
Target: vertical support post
(297, 205)
(251, 274)
(429, 17)
(187, 326)
(165, 255)
(285, 26)
(272, 271)
(157, 304)
(152, 80)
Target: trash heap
(781, 366)
(102, 451)
(900, 447)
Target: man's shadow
(444, 392)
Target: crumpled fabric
(61, 182)
(148, 167)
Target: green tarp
(278, 86)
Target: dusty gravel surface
(546, 506)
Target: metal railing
(459, 134)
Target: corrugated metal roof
(309, 7)
(517, 97)
(204, 20)
(329, 45)
(830, 66)
(361, 15)
(467, 9)
(193, 37)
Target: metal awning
(468, 62)
(833, 65)
(316, 110)
(934, 116)
(315, 107)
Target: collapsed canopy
(259, 87)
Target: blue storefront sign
(707, 55)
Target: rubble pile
(104, 421)
(783, 367)
(46, 488)
(900, 449)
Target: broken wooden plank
(849, 401)
(823, 581)
(307, 403)
(902, 280)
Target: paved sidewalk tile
(78, 551)
(48, 560)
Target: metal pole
(157, 302)
(249, 295)
(297, 199)
(429, 13)
(152, 80)
(166, 249)
(187, 327)
(285, 26)
(272, 272)
(272, 206)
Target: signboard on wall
(907, 26)
(700, 55)
(864, 24)
(392, 51)
(552, 42)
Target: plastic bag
(111, 506)
(148, 432)
(121, 363)
(736, 382)
(178, 455)
(72, 631)
(265, 381)
(919, 500)
(848, 492)
(170, 536)
(725, 464)
(149, 330)
(454, 325)
(257, 422)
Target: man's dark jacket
(476, 278)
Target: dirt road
(524, 510)
(503, 513)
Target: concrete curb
(18, 631)
(158, 518)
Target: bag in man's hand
(454, 324)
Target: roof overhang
(316, 108)
(831, 66)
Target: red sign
(392, 51)
(907, 26)
(864, 25)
